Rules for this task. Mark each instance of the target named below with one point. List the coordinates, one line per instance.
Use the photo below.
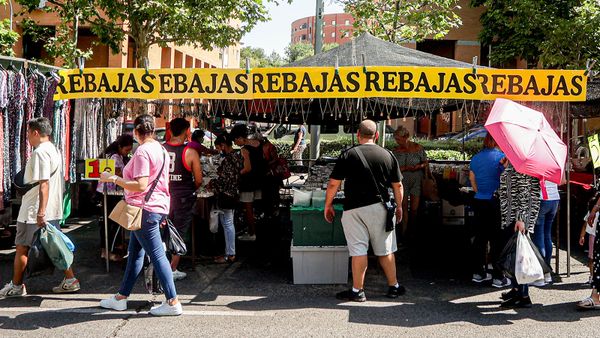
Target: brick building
(171, 56)
(337, 28)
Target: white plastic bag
(213, 223)
(527, 267)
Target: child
(590, 229)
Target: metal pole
(104, 192)
(568, 178)
(315, 130)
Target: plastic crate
(320, 265)
(311, 229)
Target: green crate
(311, 229)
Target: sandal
(588, 304)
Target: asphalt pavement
(252, 299)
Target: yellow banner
(324, 82)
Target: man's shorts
(365, 224)
(250, 196)
(26, 231)
(182, 213)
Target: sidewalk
(246, 300)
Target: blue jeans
(226, 219)
(542, 234)
(148, 240)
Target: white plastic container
(320, 265)
(302, 198)
(318, 199)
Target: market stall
(355, 86)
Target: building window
(303, 37)
(309, 36)
(333, 23)
(347, 22)
(333, 34)
(303, 26)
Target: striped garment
(519, 198)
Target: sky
(275, 35)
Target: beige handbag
(129, 216)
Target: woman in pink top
(149, 163)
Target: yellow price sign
(594, 150)
(95, 166)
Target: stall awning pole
(568, 178)
(315, 130)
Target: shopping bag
(67, 240)
(213, 223)
(38, 262)
(151, 281)
(175, 244)
(527, 266)
(538, 255)
(506, 262)
(55, 247)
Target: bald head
(367, 129)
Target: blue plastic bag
(56, 248)
(65, 238)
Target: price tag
(594, 150)
(95, 166)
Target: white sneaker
(247, 238)
(538, 283)
(477, 278)
(548, 278)
(165, 309)
(113, 304)
(67, 286)
(178, 275)
(501, 283)
(11, 290)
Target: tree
(8, 37)
(546, 33)
(298, 51)
(574, 41)
(401, 20)
(259, 59)
(199, 23)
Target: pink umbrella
(528, 141)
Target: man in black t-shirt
(364, 216)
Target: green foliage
(435, 149)
(397, 21)
(198, 23)
(547, 33)
(259, 59)
(574, 40)
(8, 37)
(298, 51)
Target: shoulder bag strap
(153, 186)
(368, 166)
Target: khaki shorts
(25, 232)
(250, 196)
(367, 224)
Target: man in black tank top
(185, 176)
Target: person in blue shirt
(485, 179)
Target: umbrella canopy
(528, 140)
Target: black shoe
(509, 294)
(517, 302)
(394, 292)
(352, 296)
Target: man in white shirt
(42, 204)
